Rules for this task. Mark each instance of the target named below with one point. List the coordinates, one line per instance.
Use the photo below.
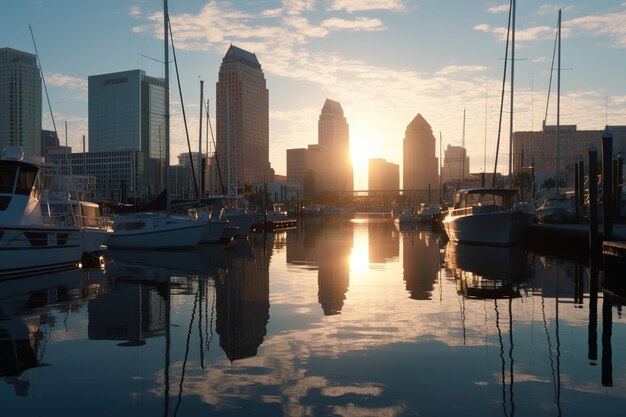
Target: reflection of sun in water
(359, 258)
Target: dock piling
(594, 244)
(607, 183)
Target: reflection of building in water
(330, 255)
(382, 244)
(19, 347)
(243, 303)
(131, 312)
(420, 254)
(26, 317)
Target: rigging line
(44, 82)
(217, 162)
(495, 300)
(545, 117)
(201, 340)
(506, 60)
(182, 375)
(511, 361)
(182, 104)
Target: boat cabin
(19, 191)
(485, 198)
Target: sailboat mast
(558, 109)
(167, 100)
(512, 92)
(201, 165)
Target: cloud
(499, 9)
(611, 24)
(134, 11)
(529, 34)
(352, 6)
(460, 69)
(360, 23)
(66, 81)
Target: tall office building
(419, 158)
(20, 102)
(303, 169)
(334, 141)
(383, 175)
(456, 166)
(127, 113)
(242, 120)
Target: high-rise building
(127, 113)
(539, 149)
(242, 120)
(383, 175)
(419, 158)
(303, 170)
(456, 165)
(334, 142)
(20, 102)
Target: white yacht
(486, 216)
(155, 231)
(28, 243)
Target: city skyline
(385, 61)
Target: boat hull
(494, 228)
(174, 234)
(26, 249)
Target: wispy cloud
(460, 69)
(134, 11)
(499, 9)
(612, 24)
(66, 81)
(352, 6)
(360, 23)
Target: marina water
(343, 316)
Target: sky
(385, 61)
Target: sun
(360, 153)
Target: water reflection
(254, 328)
(26, 317)
(421, 263)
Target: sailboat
(490, 215)
(158, 230)
(556, 208)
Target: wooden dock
(570, 240)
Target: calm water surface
(340, 317)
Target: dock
(572, 240)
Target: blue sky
(383, 60)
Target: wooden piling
(607, 183)
(594, 244)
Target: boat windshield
(26, 176)
(487, 199)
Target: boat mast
(512, 91)
(201, 167)
(558, 109)
(167, 101)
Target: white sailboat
(29, 243)
(158, 230)
(490, 216)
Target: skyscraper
(334, 141)
(383, 175)
(419, 157)
(242, 120)
(20, 101)
(127, 113)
